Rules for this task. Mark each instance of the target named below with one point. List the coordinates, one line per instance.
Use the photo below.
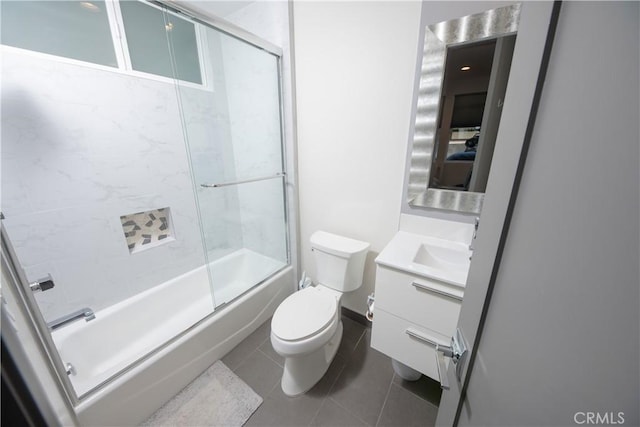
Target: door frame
(30, 344)
(514, 137)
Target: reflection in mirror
(463, 80)
(472, 70)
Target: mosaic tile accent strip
(145, 230)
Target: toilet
(306, 328)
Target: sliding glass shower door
(142, 181)
(234, 138)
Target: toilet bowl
(306, 328)
(310, 343)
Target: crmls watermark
(599, 418)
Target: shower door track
(220, 25)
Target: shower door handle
(225, 184)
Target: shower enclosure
(143, 181)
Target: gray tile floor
(359, 389)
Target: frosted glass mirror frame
(437, 38)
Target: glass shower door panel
(97, 195)
(253, 98)
(234, 137)
(258, 224)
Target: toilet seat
(303, 314)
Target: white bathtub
(126, 332)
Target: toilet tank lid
(337, 245)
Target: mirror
(463, 79)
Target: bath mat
(216, 398)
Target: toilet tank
(339, 260)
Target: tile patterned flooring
(359, 389)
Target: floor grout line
(244, 360)
(270, 358)
(364, 331)
(249, 354)
(385, 399)
(317, 412)
(347, 359)
(330, 388)
(347, 409)
(271, 391)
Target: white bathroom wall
(355, 65)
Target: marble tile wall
(82, 147)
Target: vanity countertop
(431, 257)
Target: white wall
(355, 63)
(562, 331)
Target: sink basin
(448, 258)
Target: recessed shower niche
(145, 230)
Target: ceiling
(478, 56)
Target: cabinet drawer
(390, 336)
(425, 302)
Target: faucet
(85, 313)
(475, 232)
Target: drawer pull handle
(442, 370)
(419, 336)
(435, 291)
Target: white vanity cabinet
(413, 310)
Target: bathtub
(112, 352)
